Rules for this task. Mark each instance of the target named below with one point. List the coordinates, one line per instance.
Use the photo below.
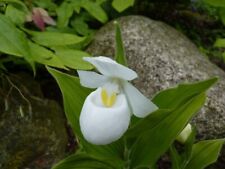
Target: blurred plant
(148, 138)
(40, 17)
(61, 43)
(219, 5)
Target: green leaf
(204, 153)
(73, 58)
(45, 56)
(64, 12)
(95, 10)
(215, 3)
(122, 5)
(16, 16)
(186, 155)
(52, 39)
(73, 99)
(83, 161)
(13, 40)
(169, 99)
(161, 136)
(179, 161)
(46, 4)
(173, 97)
(76, 5)
(220, 42)
(175, 157)
(16, 3)
(120, 56)
(80, 26)
(147, 123)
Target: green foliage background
(60, 49)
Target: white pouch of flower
(106, 112)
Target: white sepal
(109, 67)
(101, 125)
(140, 105)
(91, 79)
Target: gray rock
(32, 129)
(163, 58)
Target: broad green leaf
(64, 12)
(73, 58)
(52, 39)
(120, 56)
(215, 3)
(83, 161)
(80, 26)
(220, 42)
(122, 5)
(16, 3)
(173, 97)
(73, 98)
(169, 99)
(45, 56)
(152, 143)
(14, 41)
(95, 10)
(147, 123)
(204, 153)
(17, 16)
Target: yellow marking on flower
(104, 95)
(107, 100)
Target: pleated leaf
(204, 153)
(155, 141)
(171, 98)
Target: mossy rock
(32, 128)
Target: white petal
(140, 105)
(109, 67)
(91, 79)
(101, 125)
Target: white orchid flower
(106, 112)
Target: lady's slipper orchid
(106, 112)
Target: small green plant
(219, 5)
(149, 135)
(24, 33)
